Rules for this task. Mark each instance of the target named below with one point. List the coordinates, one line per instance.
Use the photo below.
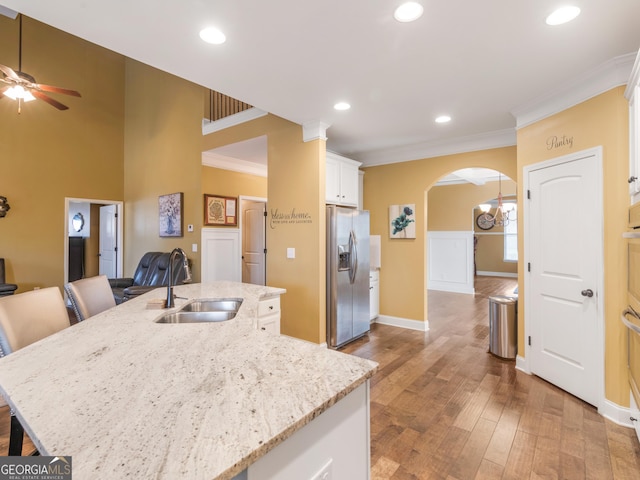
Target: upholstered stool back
(90, 296)
(28, 317)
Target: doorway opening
(93, 238)
(253, 234)
(460, 246)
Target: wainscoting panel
(221, 255)
(450, 261)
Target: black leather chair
(5, 288)
(152, 272)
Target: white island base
(335, 446)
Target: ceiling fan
(23, 87)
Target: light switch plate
(291, 252)
(194, 247)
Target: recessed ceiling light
(563, 15)
(212, 35)
(342, 106)
(408, 12)
(443, 119)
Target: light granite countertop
(130, 398)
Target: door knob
(587, 293)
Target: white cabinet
(632, 93)
(634, 148)
(374, 294)
(342, 180)
(269, 314)
(334, 445)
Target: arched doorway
(469, 253)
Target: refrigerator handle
(353, 268)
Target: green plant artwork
(402, 223)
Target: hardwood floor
(442, 407)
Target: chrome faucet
(187, 274)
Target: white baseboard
(450, 287)
(617, 414)
(612, 411)
(496, 274)
(522, 365)
(403, 323)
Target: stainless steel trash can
(503, 338)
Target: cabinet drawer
(269, 306)
(270, 323)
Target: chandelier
(501, 216)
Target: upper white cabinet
(341, 180)
(633, 95)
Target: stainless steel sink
(204, 311)
(213, 305)
(196, 317)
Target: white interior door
(565, 288)
(253, 242)
(108, 241)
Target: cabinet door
(348, 184)
(332, 173)
(634, 145)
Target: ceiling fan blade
(49, 88)
(49, 100)
(9, 72)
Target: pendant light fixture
(501, 216)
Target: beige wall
(163, 155)
(47, 154)
(232, 184)
(450, 207)
(402, 275)
(602, 120)
(453, 208)
(92, 243)
(490, 255)
(295, 183)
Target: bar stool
(26, 318)
(90, 296)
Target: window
(511, 237)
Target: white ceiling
(477, 61)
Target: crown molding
(634, 79)
(316, 130)
(232, 120)
(235, 164)
(7, 12)
(482, 141)
(606, 76)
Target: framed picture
(170, 215)
(402, 223)
(220, 211)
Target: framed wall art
(170, 215)
(402, 223)
(220, 211)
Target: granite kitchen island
(127, 397)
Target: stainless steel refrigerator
(347, 274)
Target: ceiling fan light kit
(22, 87)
